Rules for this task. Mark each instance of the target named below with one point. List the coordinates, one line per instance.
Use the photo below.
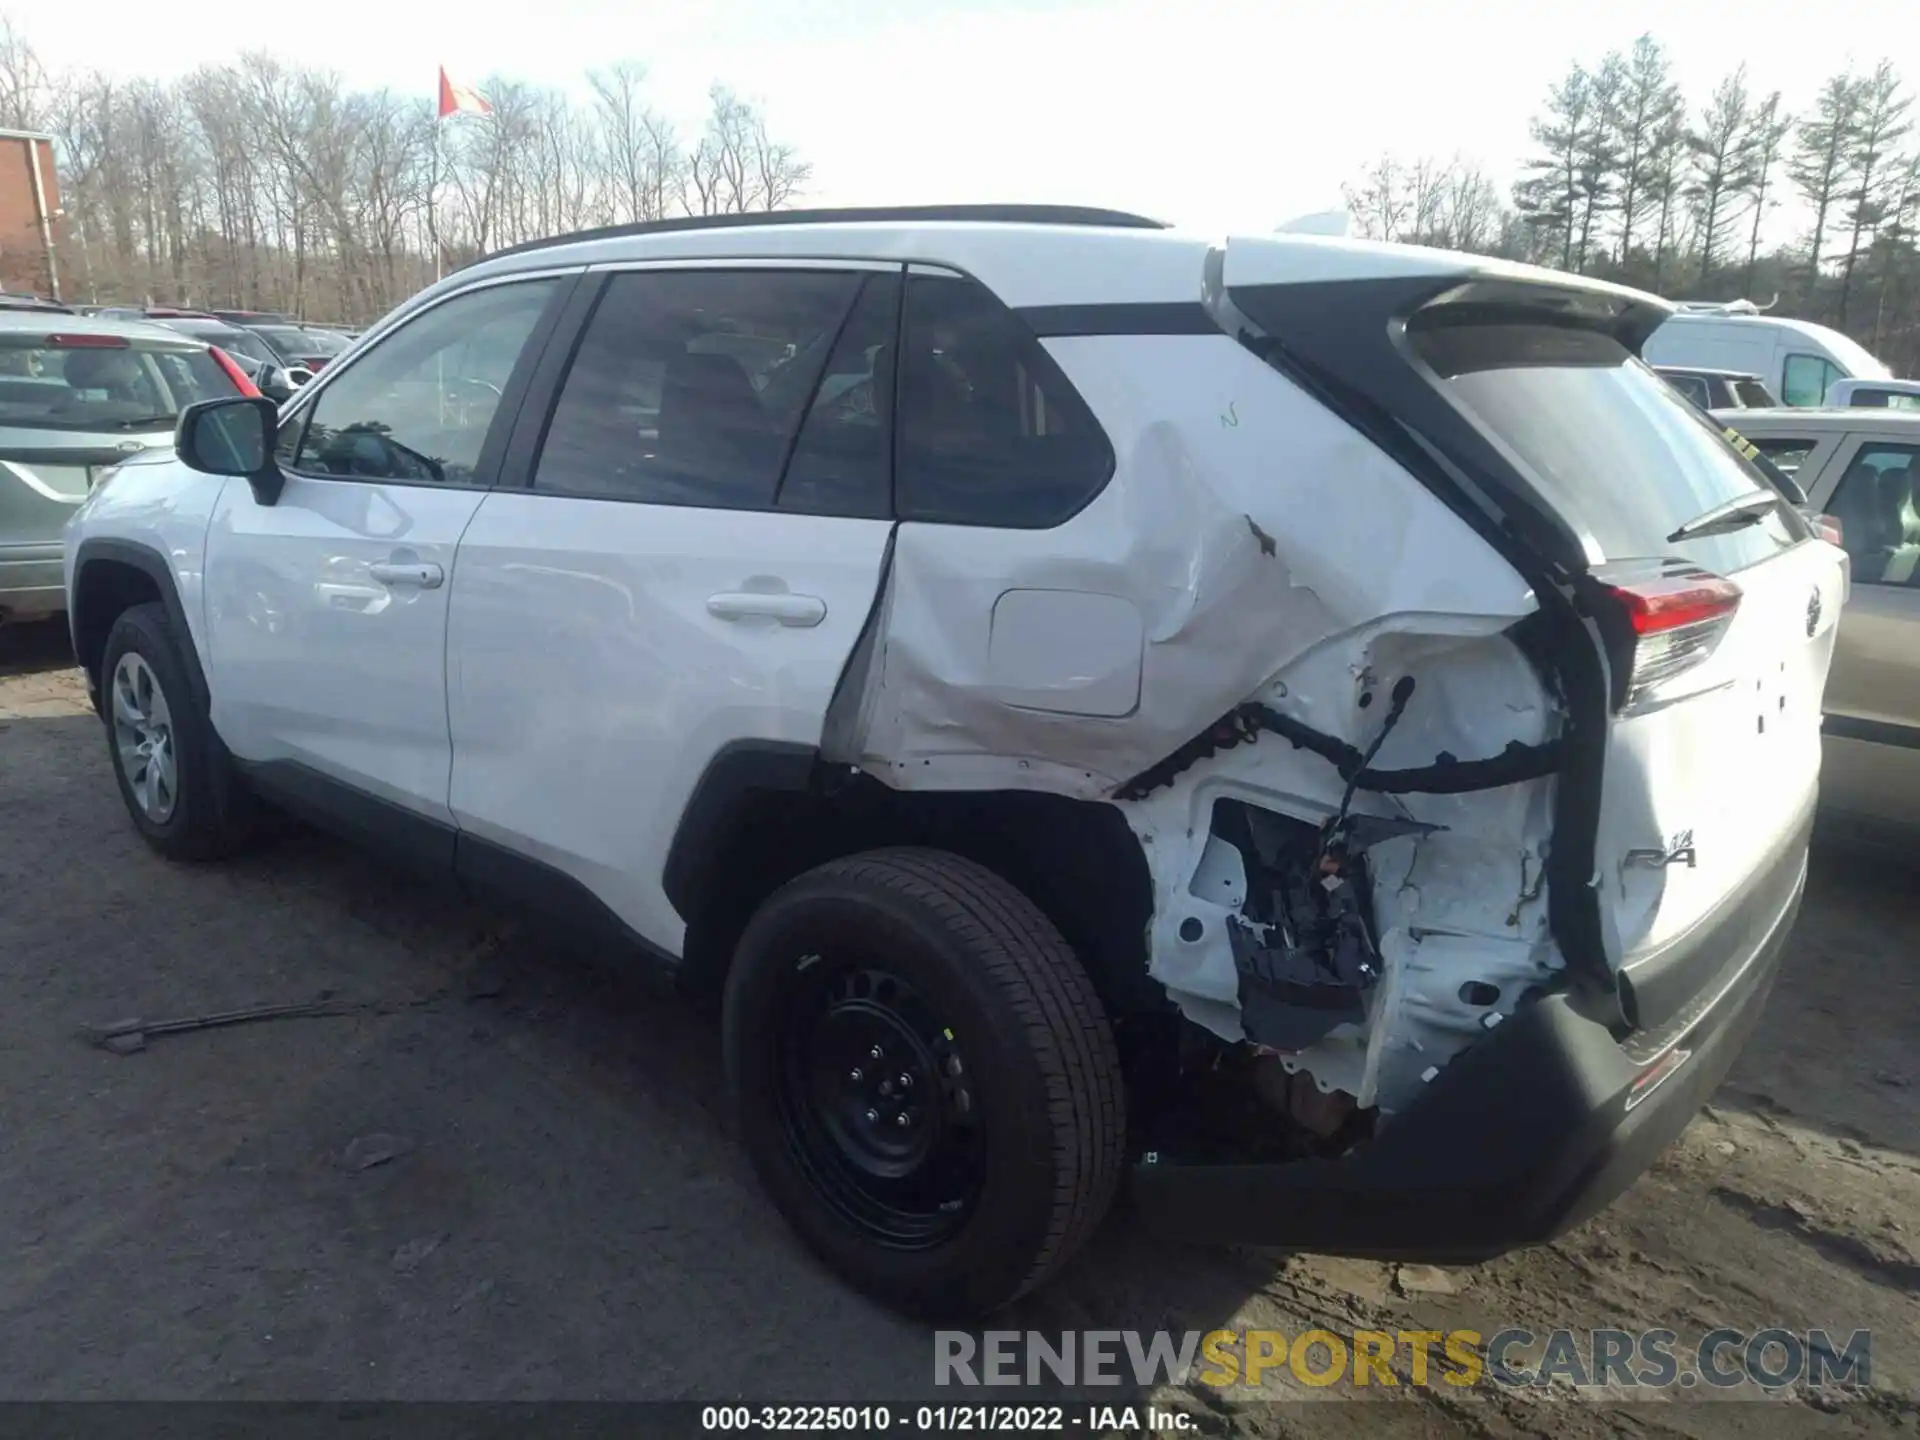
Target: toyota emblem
(1813, 612)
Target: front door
(1871, 762)
(327, 611)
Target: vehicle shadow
(34, 647)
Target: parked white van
(1798, 360)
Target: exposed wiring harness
(1447, 775)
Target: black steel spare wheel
(876, 1101)
(926, 1083)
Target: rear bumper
(1520, 1138)
(31, 579)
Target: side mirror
(298, 375)
(233, 437)
(275, 383)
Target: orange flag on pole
(461, 98)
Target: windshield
(1610, 446)
(103, 382)
(325, 342)
(288, 340)
(1855, 359)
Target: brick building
(29, 205)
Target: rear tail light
(86, 342)
(234, 373)
(1661, 620)
(1831, 530)
(315, 363)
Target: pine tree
(1818, 164)
(1880, 125)
(1722, 164)
(1643, 113)
(1549, 199)
(1766, 134)
(1597, 154)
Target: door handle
(788, 609)
(427, 575)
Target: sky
(1222, 115)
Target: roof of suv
(1030, 256)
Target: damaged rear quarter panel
(1244, 525)
(1249, 545)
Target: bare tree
(642, 154)
(737, 167)
(26, 90)
(1378, 203)
(267, 184)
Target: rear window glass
(990, 431)
(50, 384)
(1613, 448)
(1754, 395)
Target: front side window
(418, 405)
(689, 386)
(1879, 517)
(1807, 378)
(990, 431)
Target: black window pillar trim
(1345, 343)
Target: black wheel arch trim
(154, 566)
(723, 795)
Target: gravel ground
(504, 1172)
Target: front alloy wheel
(143, 737)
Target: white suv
(1316, 728)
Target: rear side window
(1879, 514)
(689, 386)
(1691, 386)
(103, 382)
(990, 431)
(843, 461)
(1608, 444)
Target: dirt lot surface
(505, 1172)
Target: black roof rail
(881, 214)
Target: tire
(1028, 1132)
(209, 812)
